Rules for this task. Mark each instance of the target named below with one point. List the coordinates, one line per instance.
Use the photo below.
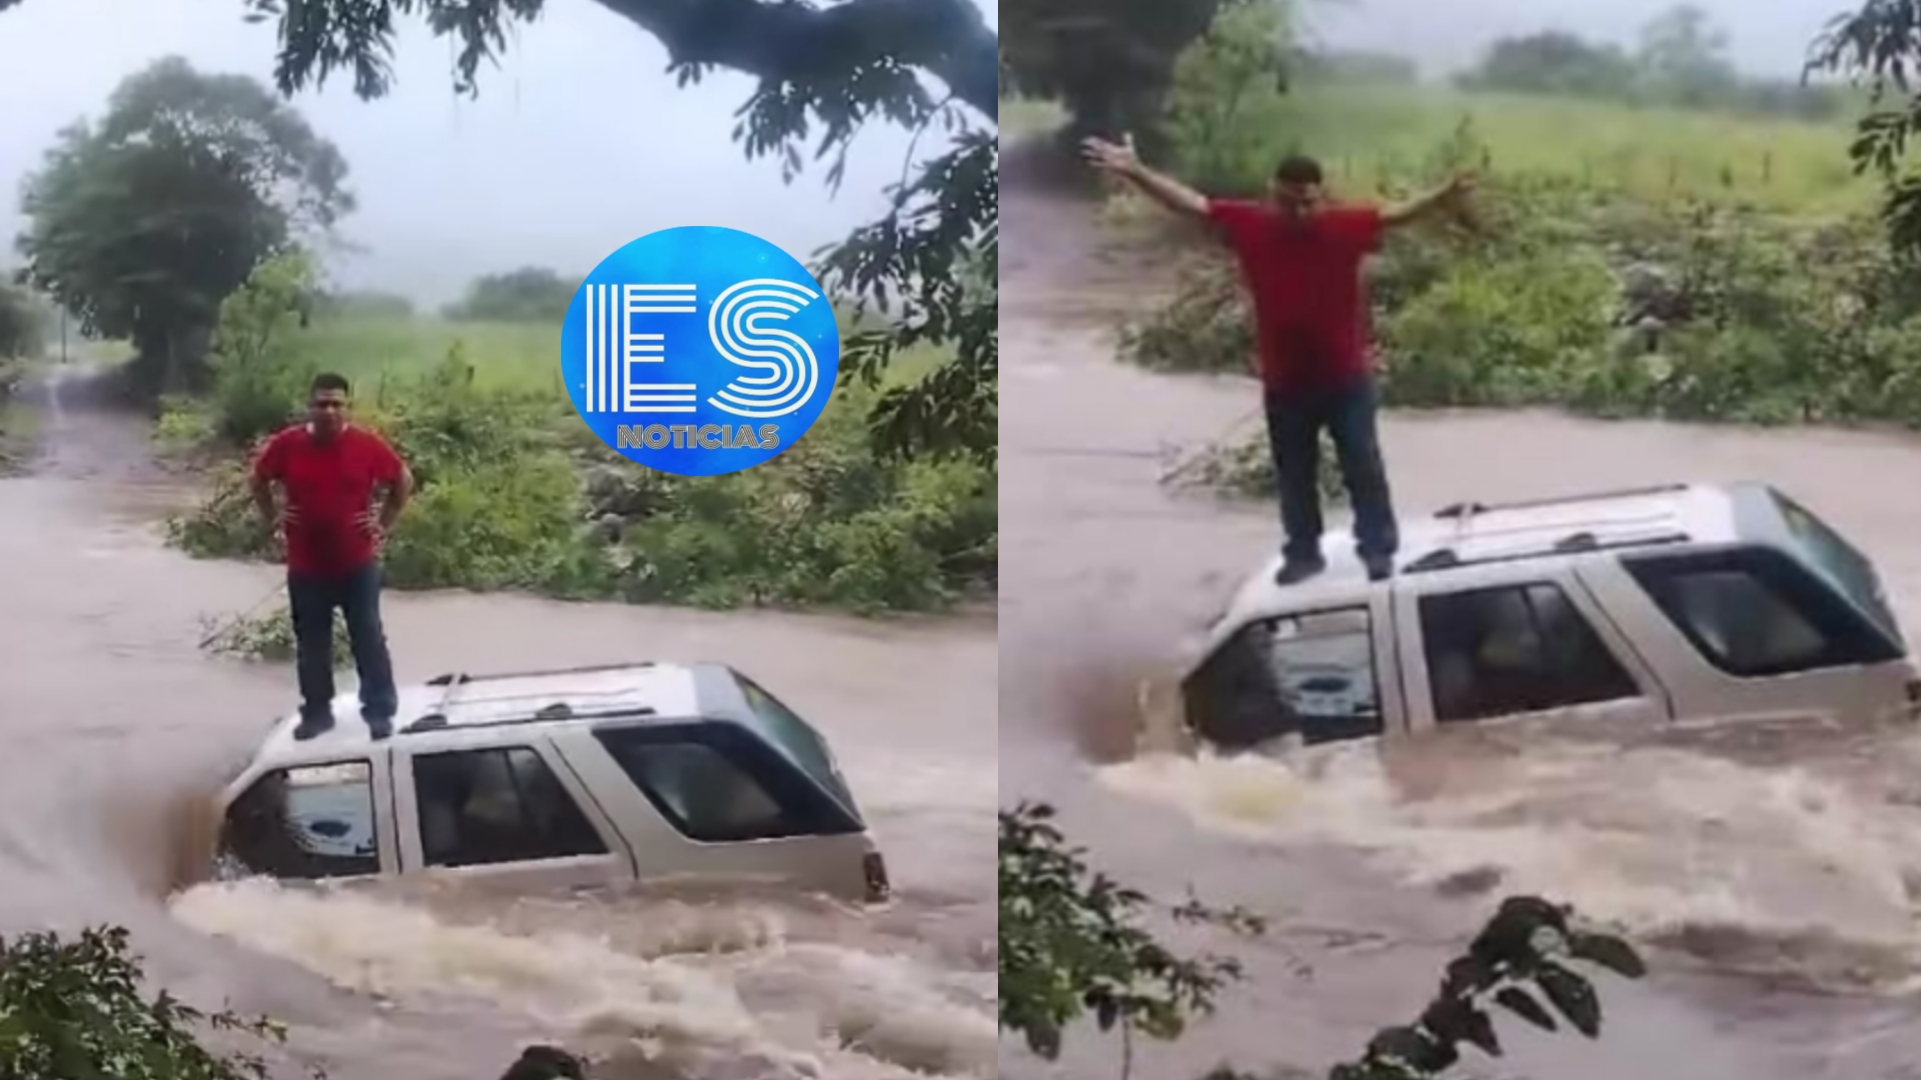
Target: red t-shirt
(329, 484)
(1310, 306)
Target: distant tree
(1554, 62)
(1356, 65)
(1683, 59)
(1787, 97)
(825, 70)
(142, 224)
(529, 294)
(1109, 62)
(364, 303)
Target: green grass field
(1364, 133)
(367, 350)
(1367, 133)
(504, 355)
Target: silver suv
(585, 777)
(1663, 605)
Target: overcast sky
(1766, 36)
(577, 144)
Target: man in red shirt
(1301, 257)
(329, 472)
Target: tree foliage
(1221, 81)
(1109, 62)
(1554, 62)
(1071, 946)
(1529, 951)
(1878, 47)
(77, 1009)
(22, 323)
(824, 71)
(254, 387)
(142, 224)
(529, 294)
(1681, 60)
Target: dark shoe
(379, 727)
(1379, 567)
(308, 729)
(1295, 571)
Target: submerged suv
(1672, 604)
(584, 777)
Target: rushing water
(117, 726)
(1774, 875)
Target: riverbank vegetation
(1656, 235)
(517, 493)
(887, 504)
(80, 1007)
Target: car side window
(309, 822)
(1739, 622)
(1312, 674)
(1515, 649)
(715, 784)
(499, 805)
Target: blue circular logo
(700, 351)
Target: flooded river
(114, 723)
(1775, 881)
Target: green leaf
(1523, 1004)
(1609, 952)
(1573, 996)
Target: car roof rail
(456, 678)
(1575, 543)
(1469, 509)
(559, 710)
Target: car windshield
(1838, 560)
(785, 729)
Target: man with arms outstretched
(1300, 257)
(330, 473)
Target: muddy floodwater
(1775, 880)
(115, 724)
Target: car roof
(1473, 533)
(458, 703)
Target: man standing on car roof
(330, 473)
(1301, 256)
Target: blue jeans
(1294, 424)
(313, 599)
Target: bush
(268, 637)
(255, 391)
(1244, 469)
(515, 492)
(1604, 305)
(77, 1009)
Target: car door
(1320, 674)
(1517, 641)
(1751, 633)
(311, 820)
(708, 802)
(511, 813)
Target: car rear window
(786, 730)
(1837, 560)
